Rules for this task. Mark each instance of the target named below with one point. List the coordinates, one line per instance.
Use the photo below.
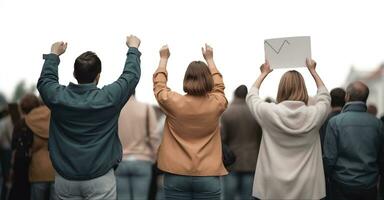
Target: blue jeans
(133, 179)
(238, 186)
(43, 191)
(178, 187)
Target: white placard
(287, 52)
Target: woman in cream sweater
(289, 164)
(190, 151)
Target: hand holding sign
(287, 52)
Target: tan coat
(289, 164)
(191, 142)
(137, 125)
(40, 168)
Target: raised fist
(133, 41)
(164, 52)
(58, 48)
(207, 52)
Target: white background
(343, 33)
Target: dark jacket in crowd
(353, 146)
(323, 128)
(241, 132)
(84, 142)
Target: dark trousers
(342, 192)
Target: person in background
(289, 165)
(22, 139)
(241, 132)
(353, 148)
(337, 103)
(84, 145)
(372, 109)
(6, 128)
(137, 124)
(41, 172)
(190, 153)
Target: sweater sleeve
(257, 106)
(123, 87)
(322, 105)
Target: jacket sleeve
(48, 83)
(218, 89)
(381, 151)
(330, 148)
(125, 85)
(163, 94)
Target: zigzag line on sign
(277, 51)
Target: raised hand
(207, 52)
(265, 68)
(133, 41)
(58, 48)
(311, 64)
(164, 52)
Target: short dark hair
(357, 91)
(337, 97)
(241, 92)
(86, 68)
(28, 102)
(198, 79)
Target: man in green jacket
(353, 148)
(84, 144)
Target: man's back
(354, 146)
(83, 141)
(242, 133)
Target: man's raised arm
(122, 88)
(48, 83)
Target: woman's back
(290, 162)
(191, 142)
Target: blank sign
(288, 52)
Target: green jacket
(84, 142)
(353, 147)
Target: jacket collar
(82, 87)
(355, 106)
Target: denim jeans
(178, 187)
(103, 187)
(133, 179)
(43, 191)
(238, 185)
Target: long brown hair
(292, 87)
(198, 79)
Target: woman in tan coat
(289, 165)
(190, 153)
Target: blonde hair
(292, 87)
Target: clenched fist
(311, 64)
(133, 41)
(58, 48)
(207, 52)
(164, 52)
